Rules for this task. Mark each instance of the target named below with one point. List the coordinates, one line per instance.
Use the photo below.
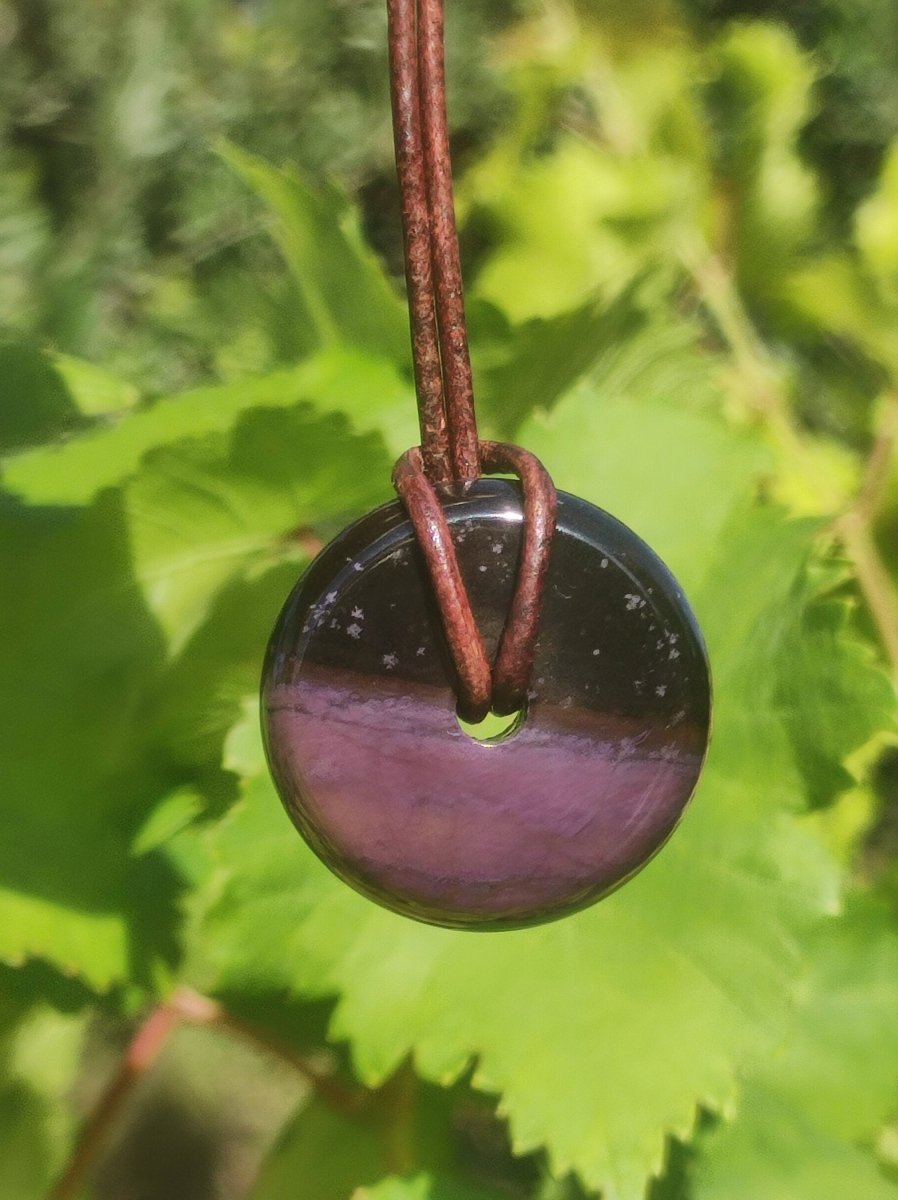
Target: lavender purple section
(369, 759)
(398, 798)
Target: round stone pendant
(360, 724)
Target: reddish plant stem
(185, 1007)
(140, 1054)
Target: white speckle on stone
(673, 638)
(481, 567)
(541, 680)
(358, 614)
(354, 631)
(674, 654)
(390, 661)
(661, 689)
(357, 567)
(633, 601)
(421, 650)
(335, 624)
(330, 597)
(531, 694)
(498, 547)
(595, 652)
(604, 563)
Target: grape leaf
(837, 1064)
(201, 695)
(845, 700)
(673, 476)
(366, 390)
(79, 649)
(775, 1152)
(811, 1106)
(691, 990)
(201, 513)
(630, 348)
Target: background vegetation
(680, 228)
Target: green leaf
(79, 651)
(774, 1152)
(39, 1058)
(95, 391)
(36, 403)
(835, 699)
(345, 290)
(336, 1148)
(837, 1064)
(875, 230)
(672, 475)
(631, 349)
(366, 390)
(203, 513)
(423, 1187)
(325, 1153)
(169, 817)
(688, 1005)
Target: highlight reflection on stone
(364, 745)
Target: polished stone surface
(363, 742)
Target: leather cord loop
(480, 687)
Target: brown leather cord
(453, 329)
(451, 451)
(504, 687)
(416, 226)
(432, 531)
(517, 649)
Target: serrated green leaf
(692, 990)
(368, 391)
(203, 691)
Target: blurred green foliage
(680, 232)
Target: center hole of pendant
(493, 728)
